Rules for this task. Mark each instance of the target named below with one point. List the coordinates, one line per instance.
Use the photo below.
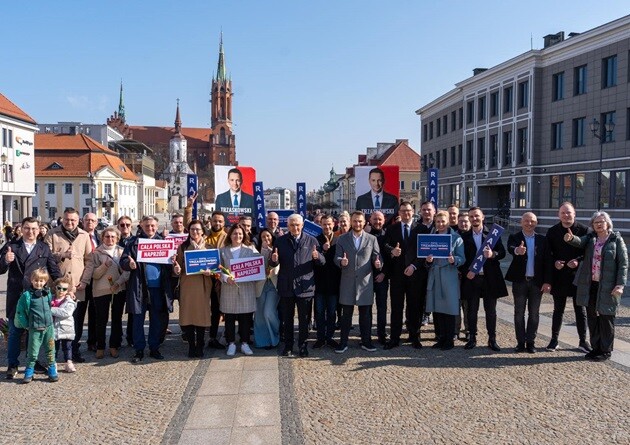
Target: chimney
(552, 39)
(479, 71)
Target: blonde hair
(40, 273)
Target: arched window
(222, 136)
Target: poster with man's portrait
(233, 188)
(378, 188)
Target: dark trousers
(101, 308)
(444, 325)
(380, 298)
(65, 346)
(477, 289)
(215, 313)
(155, 307)
(601, 327)
(527, 294)
(129, 334)
(84, 307)
(288, 313)
(559, 303)
(365, 324)
(195, 337)
(244, 326)
(405, 289)
(325, 307)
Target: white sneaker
(70, 366)
(245, 349)
(231, 350)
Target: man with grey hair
(297, 253)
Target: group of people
(324, 277)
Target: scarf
(70, 235)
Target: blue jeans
(380, 293)
(13, 353)
(325, 315)
(155, 308)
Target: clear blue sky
(316, 82)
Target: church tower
(178, 169)
(222, 140)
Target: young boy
(33, 313)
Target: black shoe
(492, 344)
(382, 339)
(192, 350)
(591, 355)
(470, 344)
(585, 346)
(520, 348)
(553, 345)
(391, 345)
(138, 357)
(465, 338)
(437, 345)
(531, 348)
(215, 344)
(287, 352)
(447, 346)
(12, 372)
(303, 350)
(77, 357)
(39, 368)
(156, 355)
(369, 347)
(332, 343)
(91, 347)
(602, 357)
(318, 344)
(416, 344)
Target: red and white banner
(155, 251)
(178, 238)
(248, 269)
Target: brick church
(205, 147)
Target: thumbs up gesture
(315, 253)
(274, 255)
(568, 236)
(176, 267)
(344, 260)
(396, 251)
(521, 249)
(487, 252)
(9, 256)
(132, 264)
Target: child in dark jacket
(34, 313)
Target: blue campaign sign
(191, 189)
(259, 203)
(300, 196)
(491, 240)
(199, 260)
(311, 228)
(438, 245)
(432, 181)
(283, 216)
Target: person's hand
(230, 280)
(9, 256)
(617, 291)
(192, 199)
(109, 262)
(379, 278)
(573, 264)
(207, 272)
(81, 286)
(72, 296)
(409, 270)
(132, 264)
(176, 267)
(487, 252)
(315, 254)
(274, 255)
(568, 236)
(344, 260)
(265, 244)
(546, 288)
(429, 259)
(470, 275)
(520, 250)
(115, 288)
(559, 264)
(67, 254)
(326, 246)
(396, 251)
(451, 259)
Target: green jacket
(33, 312)
(614, 271)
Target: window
(68, 189)
(494, 104)
(36, 188)
(567, 188)
(86, 210)
(627, 123)
(557, 86)
(437, 159)
(556, 136)
(415, 185)
(51, 189)
(470, 112)
(10, 173)
(438, 127)
(608, 118)
(461, 117)
(10, 141)
(521, 200)
(424, 132)
(445, 124)
(481, 153)
(85, 189)
(107, 188)
(52, 212)
(521, 145)
(609, 71)
(402, 185)
(469, 155)
(494, 150)
(579, 80)
(453, 120)
(507, 99)
(523, 94)
(453, 156)
(469, 197)
(579, 129)
(424, 163)
(460, 154)
(619, 186)
(5, 136)
(481, 106)
(507, 148)
(35, 212)
(430, 130)
(444, 158)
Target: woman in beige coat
(194, 292)
(238, 301)
(108, 289)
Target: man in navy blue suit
(235, 201)
(377, 198)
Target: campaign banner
(259, 204)
(155, 251)
(432, 181)
(199, 260)
(491, 240)
(192, 187)
(248, 269)
(233, 188)
(300, 196)
(283, 216)
(378, 189)
(311, 228)
(178, 238)
(438, 245)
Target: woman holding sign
(238, 300)
(195, 288)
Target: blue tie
(377, 202)
(235, 200)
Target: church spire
(178, 121)
(121, 105)
(221, 72)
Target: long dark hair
(259, 241)
(233, 227)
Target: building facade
(518, 136)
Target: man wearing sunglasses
(20, 258)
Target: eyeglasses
(124, 225)
(60, 288)
(599, 222)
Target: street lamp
(595, 127)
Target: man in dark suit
(327, 280)
(381, 280)
(377, 198)
(399, 246)
(20, 258)
(235, 201)
(527, 273)
(487, 284)
(297, 254)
